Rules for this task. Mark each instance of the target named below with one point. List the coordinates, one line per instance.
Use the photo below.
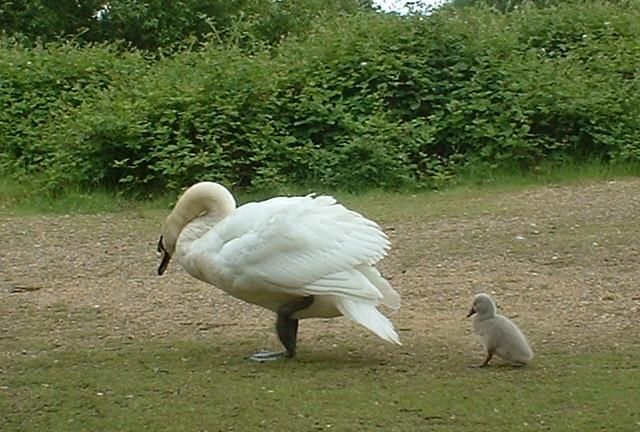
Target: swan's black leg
(287, 329)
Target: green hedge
(370, 100)
(41, 89)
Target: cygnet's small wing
(509, 341)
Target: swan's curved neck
(207, 202)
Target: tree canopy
(154, 24)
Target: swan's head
(484, 306)
(201, 199)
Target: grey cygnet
(498, 334)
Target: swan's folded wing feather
(348, 284)
(293, 242)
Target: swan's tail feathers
(390, 297)
(370, 317)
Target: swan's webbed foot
(267, 356)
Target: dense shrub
(370, 100)
(41, 87)
(196, 115)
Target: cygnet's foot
(266, 356)
(481, 365)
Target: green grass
(24, 199)
(547, 173)
(192, 386)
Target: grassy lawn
(195, 387)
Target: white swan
(301, 257)
(498, 334)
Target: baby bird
(498, 334)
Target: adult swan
(301, 257)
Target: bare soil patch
(562, 261)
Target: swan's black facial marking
(166, 257)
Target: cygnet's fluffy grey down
(498, 334)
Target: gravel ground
(561, 261)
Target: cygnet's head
(484, 306)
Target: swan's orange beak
(166, 257)
(471, 312)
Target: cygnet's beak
(471, 312)
(166, 257)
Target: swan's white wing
(301, 245)
(370, 317)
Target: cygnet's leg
(287, 329)
(486, 360)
